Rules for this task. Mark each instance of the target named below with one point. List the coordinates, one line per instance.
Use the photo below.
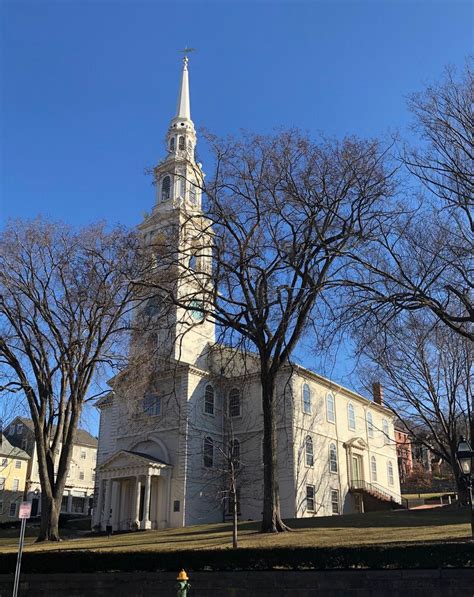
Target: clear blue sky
(88, 88)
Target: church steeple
(178, 177)
(183, 110)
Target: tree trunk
(271, 521)
(234, 517)
(50, 510)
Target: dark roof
(147, 456)
(6, 449)
(83, 437)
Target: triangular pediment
(356, 442)
(126, 458)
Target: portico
(133, 492)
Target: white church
(161, 440)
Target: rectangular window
(2, 482)
(17, 463)
(310, 498)
(83, 455)
(16, 484)
(4, 462)
(176, 506)
(81, 475)
(152, 404)
(19, 428)
(330, 409)
(12, 510)
(335, 501)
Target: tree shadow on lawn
(443, 516)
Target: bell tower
(178, 225)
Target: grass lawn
(354, 529)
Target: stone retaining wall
(346, 583)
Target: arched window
(351, 419)
(332, 458)
(370, 424)
(306, 399)
(234, 403)
(208, 452)
(190, 146)
(172, 144)
(181, 143)
(330, 412)
(209, 400)
(166, 188)
(390, 472)
(373, 468)
(182, 188)
(309, 454)
(235, 453)
(386, 432)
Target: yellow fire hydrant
(183, 584)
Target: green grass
(440, 524)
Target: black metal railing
(374, 489)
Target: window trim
(154, 406)
(303, 389)
(167, 196)
(351, 409)
(373, 469)
(206, 402)
(16, 485)
(370, 424)
(333, 449)
(390, 474)
(207, 444)
(308, 442)
(386, 431)
(10, 513)
(337, 501)
(331, 398)
(234, 389)
(308, 509)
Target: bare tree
(65, 297)
(426, 370)
(282, 215)
(424, 261)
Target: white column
(108, 501)
(115, 503)
(135, 509)
(146, 524)
(99, 504)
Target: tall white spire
(183, 110)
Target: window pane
(234, 403)
(331, 416)
(333, 458)
(310, 498)
(351, 416)
(309, 451)
(166, 188)
(373, 468)
(335, 501)
(306, 399)
(208, 452)
(209, 400)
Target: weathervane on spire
(186, 51)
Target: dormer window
(166, 188)
(172, 144)
(181, 143)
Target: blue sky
(88, 88)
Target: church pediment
(127, 459)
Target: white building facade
(164, 436)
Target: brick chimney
(377, 392)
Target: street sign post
(23, 514)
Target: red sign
(25, 510)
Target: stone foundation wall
(344, 583)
